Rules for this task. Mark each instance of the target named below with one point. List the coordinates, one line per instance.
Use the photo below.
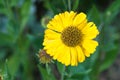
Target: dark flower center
(71, 36)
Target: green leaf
(2, 8)
(95, 15)
(6, 39)
(79, 72)
(19, 55)
(14, 3)
(25, 13)
(60, 67)
(94, 57)
(80, 77)
(109, 59)
(48, 68)
(4, 71)
(80, 69)
(75, 5)
(45, 74)
(2, 53)
(52, 7)
(13, 64)
(38, 42)
(110, 36)
(112, 11)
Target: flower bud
(1, 78)
(44, 57)
(45, 21)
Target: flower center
(71, 36)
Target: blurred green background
(22, 25)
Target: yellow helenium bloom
(69, 38)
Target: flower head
(1, 77)
(44, 57)
(70, 38)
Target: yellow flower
(70, 38)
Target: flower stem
(69, 5)
(63, 72)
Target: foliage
(22, 31)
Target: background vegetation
(22, 25)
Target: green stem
(48, 68)
(69, 5)
(63, 72)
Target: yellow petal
(56, 24)
(50, 42)
(58, 51)
(52, 46)
(79, 19)
(90, 31)
(51, 35)
(87, 26)
(89, 45)
(87, 54)
(65, 56)
(82, 25)
(67, 18)
(73, 54)
(81, 56)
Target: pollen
(71, 36)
